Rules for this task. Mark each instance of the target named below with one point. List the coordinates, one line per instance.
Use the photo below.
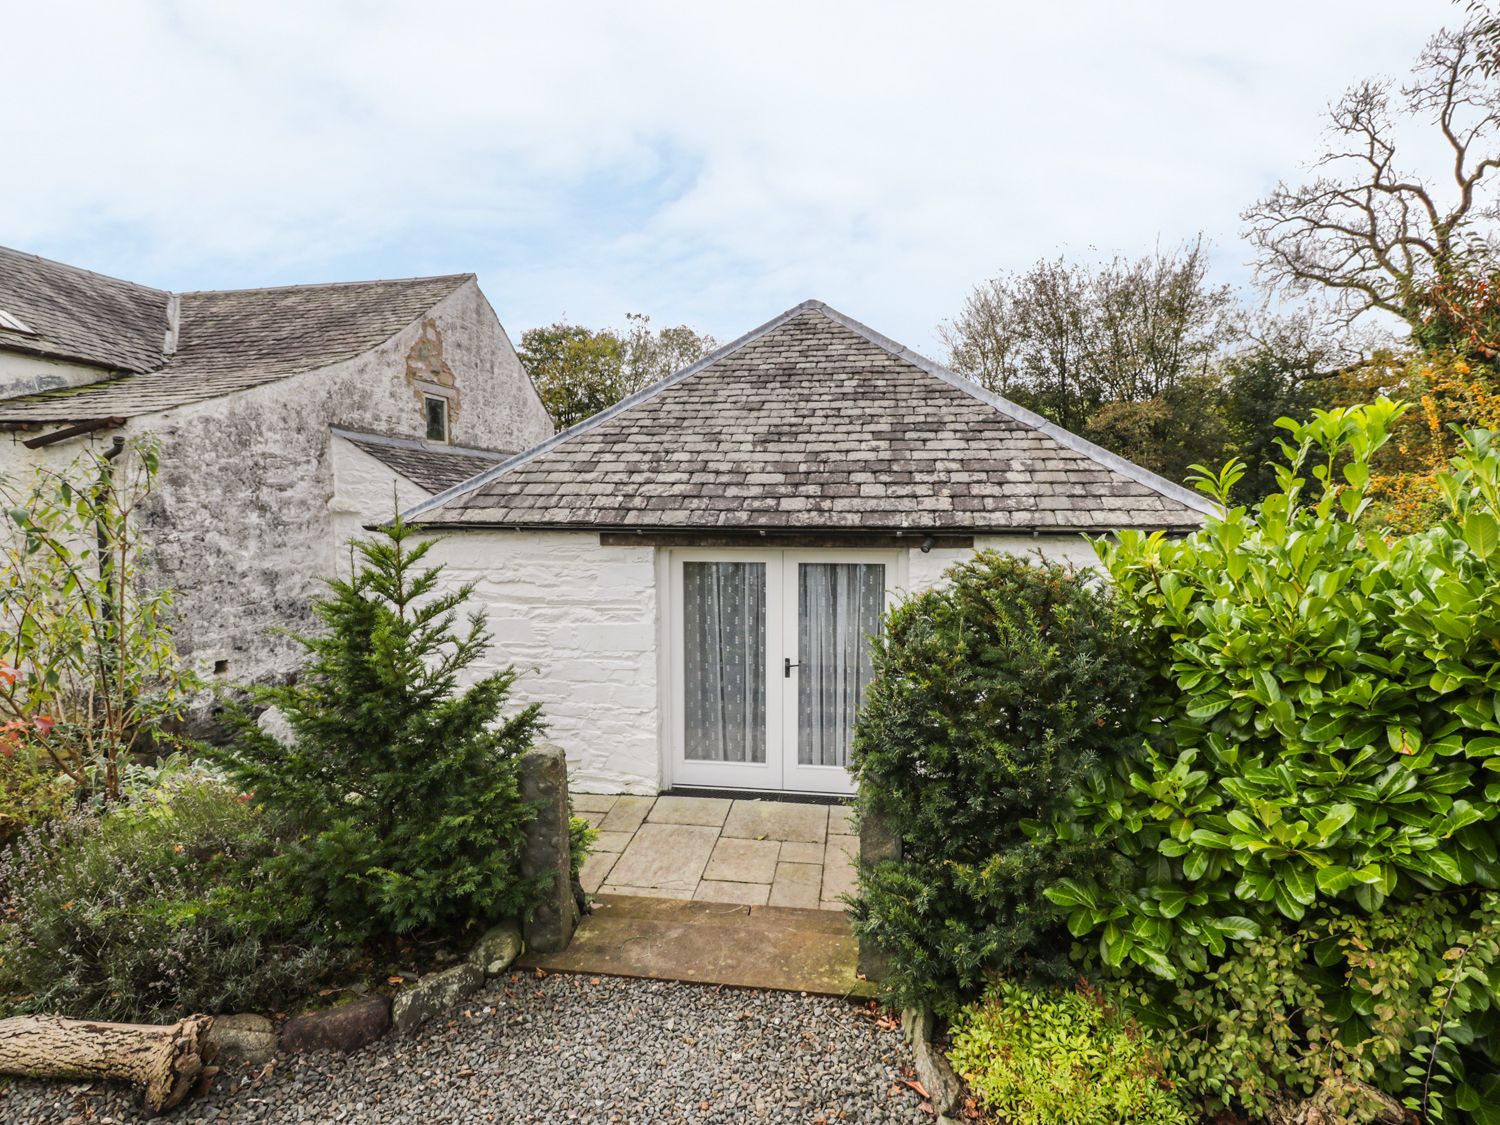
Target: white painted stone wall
(924, 571)
(580, 622)
(364, 490)
(242, 527)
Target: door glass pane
(840, 605)
(724, 657)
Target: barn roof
(815, 422)
(432, 467)
(167, 349)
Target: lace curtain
(839, 606)
(724, 612)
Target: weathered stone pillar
(878, 842)
(544, 782)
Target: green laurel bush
(1316, 762)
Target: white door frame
(723, 775)
(780, 771)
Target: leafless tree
(1372, 232)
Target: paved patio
(711, 849)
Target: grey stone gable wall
(816, 423)
(232, 340)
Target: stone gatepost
(544, 783)
(878, 842)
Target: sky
(704, 163)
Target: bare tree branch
(1373, 234)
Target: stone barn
(288, 418)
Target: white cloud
(703, 163)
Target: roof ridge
(626, 403)
(454, 277)
(91, 273)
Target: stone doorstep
(785, 948)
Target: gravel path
(557, 1049)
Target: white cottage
(690, 578)
(288, 418)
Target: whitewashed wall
(363, 491)
(579, 621)
(924, 571)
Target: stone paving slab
(709, 811)
(797, 884)
(626, 814)
(746, 894)
(713, 943)
(593, 802)
(743, 861)
(778, 820)
(669, 856)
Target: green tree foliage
(993, 697)
(1260, 385)
(404, 786)
(88, 670)
(579, 372)
(1053, 1057)
(1321, 733)
(158, 907)
(1124, 353)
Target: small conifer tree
(406, 787)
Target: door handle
(786, 671)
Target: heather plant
(1063, 1057)
(154, 909)
(404, 787)
(994, 697)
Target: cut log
(166, 1060)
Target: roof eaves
(1114, 461)
(626, 403)
(418, 444)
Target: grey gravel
(557, 1049)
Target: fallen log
(168, 1061)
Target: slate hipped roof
(815, 422)
(169, 349)
(432, 467)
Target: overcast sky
(703, 162)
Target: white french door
(770, 655)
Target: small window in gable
(437, 418)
